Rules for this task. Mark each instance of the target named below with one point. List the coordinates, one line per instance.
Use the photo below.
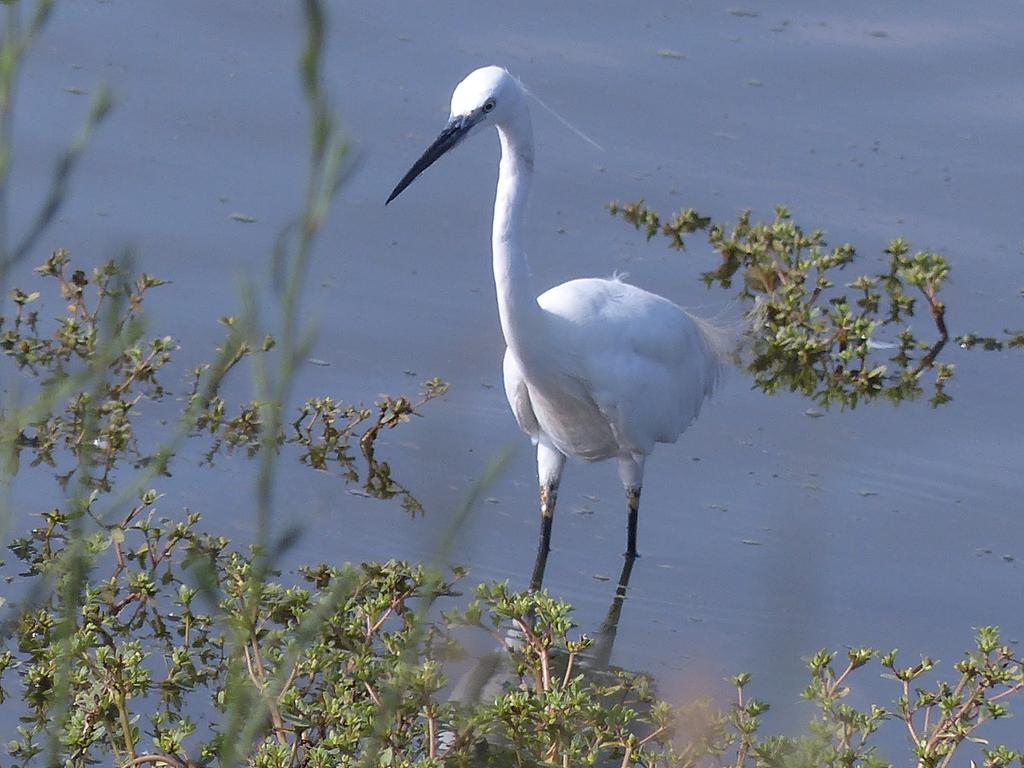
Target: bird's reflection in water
(492, 673)
(601, 649)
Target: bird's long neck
(522, 320)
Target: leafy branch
(810, 332)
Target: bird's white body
(595, 368)
(627, 369)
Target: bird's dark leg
(550, 462)
(633, 506)
(548, 496)
(631, 472)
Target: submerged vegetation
(130, 635)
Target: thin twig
(652, 735)
(568, 670)
(909, 719)
(258, 676)
(372, 629)
(373, 694)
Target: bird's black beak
(453, 133)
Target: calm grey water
(893, 527)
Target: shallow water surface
(765, 534)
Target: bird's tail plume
(724, 339)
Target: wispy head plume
(559, 118)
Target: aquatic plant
(173, 655)
(837, 342)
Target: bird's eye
(488, 105)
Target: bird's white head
(488, 96)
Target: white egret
(595, 368)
